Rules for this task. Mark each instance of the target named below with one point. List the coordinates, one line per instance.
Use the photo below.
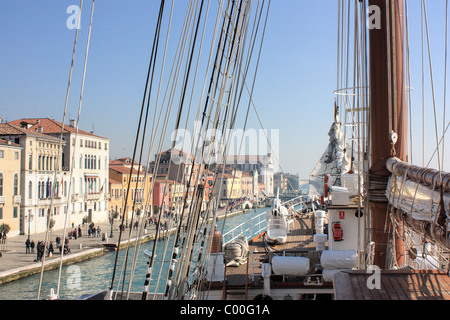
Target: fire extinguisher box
(339, 196)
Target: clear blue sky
(294, 89)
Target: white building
(85, 159)
(38, 179)
(262, 164)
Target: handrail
(246, 229)
(249, 229)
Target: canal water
(95, 275)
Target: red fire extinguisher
(338, 234)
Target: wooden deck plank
(397, 285)
(390, 291)
(342, 289)
(357, 288)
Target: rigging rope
(59, 150)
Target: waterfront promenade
(15, 263)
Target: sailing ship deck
(299, 243)
(300, 239)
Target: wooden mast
(387, 114)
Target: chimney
(72, 123)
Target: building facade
(262, 164)
(43, 185)
(136, 190)
(84, 158)
(10, 187)
(115, 196)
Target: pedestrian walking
(50, 249)
(27, 246)
(58, 242)
(32, 246)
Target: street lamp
(112, 216)
(29, 223)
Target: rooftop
(11, 129)
(49, 126)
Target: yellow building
(115, 196)
(176, 195)
(140, 187)
(231, 185)
(10, 197)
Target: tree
(4, 229)
(51, 224)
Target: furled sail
(333, 162)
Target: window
(16, 184)
(1, 184)
(15, 212)
(1, 213)
(30, 162)
(16, 156)
(2, 155)
(30, 190)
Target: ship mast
(387, 119)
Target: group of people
(40, 247)
(92, 231)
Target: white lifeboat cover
(339, 259)
(295, 266)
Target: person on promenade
(27, 246)
(38, 251)
(50, 249)
(98, 231)
(32, 246)
(58, 242)
(79, 231)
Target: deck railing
(250, 228)
(247, 229)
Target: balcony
(2, 199)
(92, 196)
(17, 199)
(74, 197)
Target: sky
(294, 86)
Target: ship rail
(247, 229)
(254, 226)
